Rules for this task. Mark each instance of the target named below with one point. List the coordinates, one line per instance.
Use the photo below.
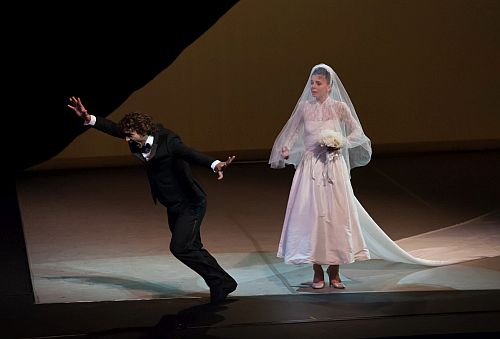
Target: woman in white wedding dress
(324, 222)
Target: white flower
(331, 139)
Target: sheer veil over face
(337, 106)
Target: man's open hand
(221, 166)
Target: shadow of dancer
(192, 322)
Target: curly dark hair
(138, 122)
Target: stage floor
(95, 235)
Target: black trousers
(184, 221)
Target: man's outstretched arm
(99, 123)
(194, 157)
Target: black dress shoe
(219, 293)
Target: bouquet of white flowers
(331, 140)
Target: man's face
(133, 136)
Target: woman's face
(319, 87)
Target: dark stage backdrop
(102, 54)
(423, 75)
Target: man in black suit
(167, 162)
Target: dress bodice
(319, 117)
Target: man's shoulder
(162, 130)
(167, 134)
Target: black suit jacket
(169, 173)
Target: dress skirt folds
(321, 223)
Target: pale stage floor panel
(95, 234)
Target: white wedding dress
(321, 222)
(324, 222)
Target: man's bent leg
(187, 247)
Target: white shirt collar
(150, 140)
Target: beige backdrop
(421, 74)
